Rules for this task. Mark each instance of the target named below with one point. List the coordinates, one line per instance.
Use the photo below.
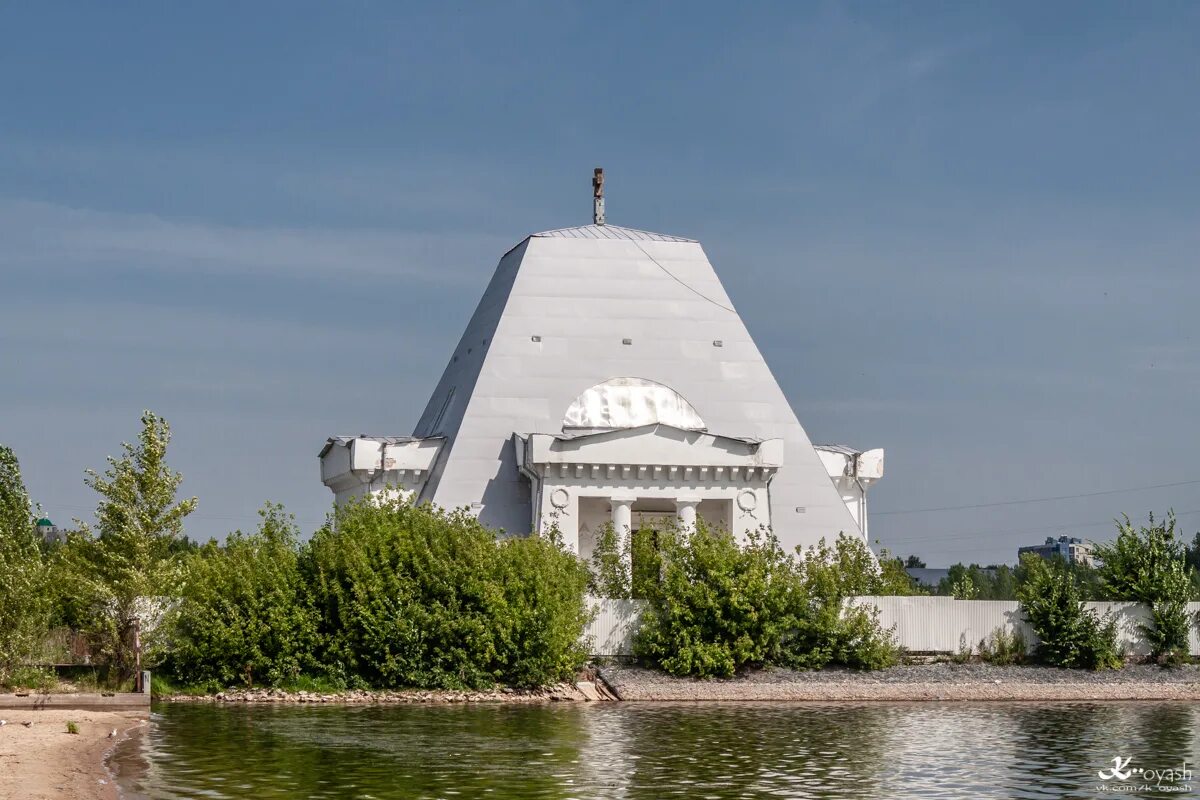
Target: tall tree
(131, 565)
(24, 608)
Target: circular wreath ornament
(559, 498)
(747, 500)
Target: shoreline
(907, 683)
(945, 682)
(557, 693)
(43, 761)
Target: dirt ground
(42, 760)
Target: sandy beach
(44, 761)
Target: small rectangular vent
(718, 343)
(627, 341)
(801, 510)
(535, 338)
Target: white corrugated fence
(921, 624)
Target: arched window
(630, 403)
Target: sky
(964, 232)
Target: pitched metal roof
(554, 325)
(609, 232)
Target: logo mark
(1118, 771)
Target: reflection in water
(631, 750)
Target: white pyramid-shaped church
(605, 376)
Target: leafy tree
(123, 574)
(1070, 635)
(609, 566)
(894, 578)
(914, 562)
(1148, 565)
(964, 589)
(24, 606)
(1003, 585)
(973, 582)
(243, 615)
(1192, 554)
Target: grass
(162, 686)
(50, 680)
(72, 727)
(1003, 648)
(33, 679)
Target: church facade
(605, 376)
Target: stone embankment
(944, 681)
(562, 692)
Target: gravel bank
(557, 693)
(915, 682)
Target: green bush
(1070, 635)
(243, 617)
(414, 596)
(1149, 565)
(719, 606)
(827, 629)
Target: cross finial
(598, 196)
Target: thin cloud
(51, 236)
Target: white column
(622, 520)
(685, 510)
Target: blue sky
(966, 232)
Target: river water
(636, 750)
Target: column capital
(686, 501)
(623, 499)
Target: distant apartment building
(1068, 547)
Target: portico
(635, 477)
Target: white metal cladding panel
(922, 624)
(610, 633)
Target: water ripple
(630, 751)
